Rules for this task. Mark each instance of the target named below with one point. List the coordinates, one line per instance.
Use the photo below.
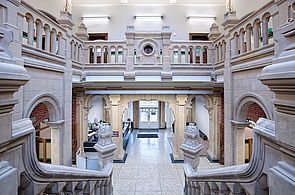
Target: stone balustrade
(106, 52)
(191, 52)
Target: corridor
(148, 169)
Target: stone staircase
(272, 166)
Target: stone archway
(240, 122)
(55, 122)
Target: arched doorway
(248, 109)
(40, 117)
(45, 112)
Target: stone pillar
(116, 56)
(61, 47)
(280, 78)
(256, 35)
(95, 55)
(265, 31)
(230, 20)
(116, 122)
(56, 142)
(214, 129)
(105, 147)
(136, 114)
(189, 115)
(239, 141)
(180, 120)
(248, 38)
(12, 77)
(39, 35)
(166, 37)
(30, 31)
(53, 42)
(242, 36)
(179, 55)
(186, 56)
(191, 148)
(162, 114)
(194, 55)
(47, 38)
(201, 56)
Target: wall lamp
(202, 18)
(96, 18)
(148, 17)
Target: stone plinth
(191, 148)
(105, 147)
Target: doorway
(148, 115)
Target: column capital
(115, 99)
(240, 125)
(181, 99)
(56, 124)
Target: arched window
(175, 55)
(98, 55)
(182, 55)
(198, 54)
(205, 55)
(113, 55)
(91, 55)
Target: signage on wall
(115, 133)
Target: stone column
(85, 123)
(61, 47)
(214, 129)
(186, 56)
(179, 55)
(116, 56)
(189, 117)
(230, 20)
(201, 56)
(180, 120)
(30, 31)
(194, 55)
(56, 141)
(162, 114)
(39, 35)
(95, 55)
(47, 38)
(116, 122)
(256, 35)
(242, 36)
(136, 114)
(53, 42)
(265, 31)
(248, 38)
(239, 141)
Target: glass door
(149, 118)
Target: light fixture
(148, 17)
(202, 18)
(96, 18)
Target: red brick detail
(255, 112)
(39, 114)
(74, 127)
(222, 130)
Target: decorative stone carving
(191, 148)
(214, 32)
(65, 20)
(105, 147)
(82, 32)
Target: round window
(148, 49)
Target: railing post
(105, 147)
(191, 148)
(12, 77)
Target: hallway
(148, 168)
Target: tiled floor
(148, 169)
